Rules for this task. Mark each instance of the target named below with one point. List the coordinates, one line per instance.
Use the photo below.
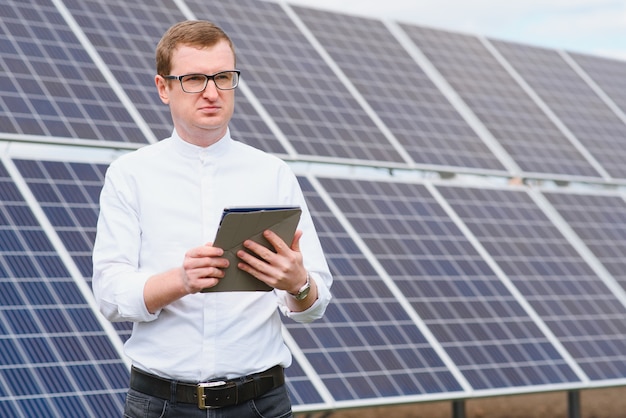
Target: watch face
(303, 293)
(304, 290)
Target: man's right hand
(203, 267)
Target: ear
(162, 88)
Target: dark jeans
(274, 404)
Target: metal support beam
(573, 404)
(458, 408)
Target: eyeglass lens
(195, 83)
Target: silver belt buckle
(206, 385)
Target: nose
(211, 91)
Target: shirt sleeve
(316, 311)
(117, 283)
(314, 262)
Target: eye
(194, 78)
(223, 76)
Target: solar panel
(442, 291)
(592, 122)
(50, 86)
(600, 221)
(476, 319)
(519, 125)
(403, 96)
(608, 74)
(311, 106)
(68, 193)
(366, 346)
(586, 317)
(125, 35)
(301, 390)
(54, 354)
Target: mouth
(209, 109)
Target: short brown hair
(196, 33)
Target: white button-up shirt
(166, 198)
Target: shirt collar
(189, 150)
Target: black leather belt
(213, 394)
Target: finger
(276, 241)
(295, 244)
(207, 250)
(259, 250)
(253, 259)
(192, 263)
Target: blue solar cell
(9, 294)
(23, 382)
(9, 352)
(8, 409)
(9, 192)
(19, 215)
(102, 347)
(54, 379)
(85, 216)
(43, 192)
(37, 241)
(51, 266)
(74, 404)
(35, 406)
(10, 241)
(83, 319)
(21, 266)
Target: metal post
(573, 403)
(458, 408)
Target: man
(160, 208)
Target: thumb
(295, 244)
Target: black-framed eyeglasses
(196, 83)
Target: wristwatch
(304, 290)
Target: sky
(596, 27)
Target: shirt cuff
(315, 311)
(131, 303)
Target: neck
(202, 138)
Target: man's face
(199, 118)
